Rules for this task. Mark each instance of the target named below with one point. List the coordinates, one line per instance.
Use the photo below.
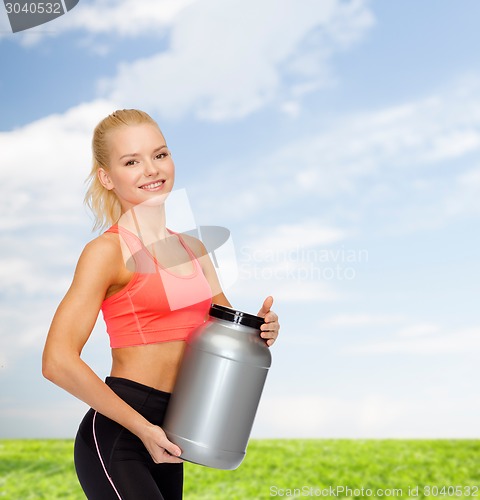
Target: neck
(147, 222)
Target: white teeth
(153, 185)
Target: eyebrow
(134, 155)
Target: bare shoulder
(104, 246)
(101, 254)
(95, 273)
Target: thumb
(172, 448)
(267, 304)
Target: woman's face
(141, 168)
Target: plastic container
(213, 404)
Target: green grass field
(43, 469)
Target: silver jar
(213, 404)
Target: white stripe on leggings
(100, 457)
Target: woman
(153, 287)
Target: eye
(130, 163)
(162, 155)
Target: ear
(104, 179)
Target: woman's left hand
(271, 326)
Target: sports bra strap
(133, 243)
(193, 257)
(143, 262)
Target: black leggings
(112, 463)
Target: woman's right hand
(160, 448)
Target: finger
(169, 459)
(165, 458)
(268, 329)
(160, 456)
(269, 335)
(266, 306)
(270, 325)
(271, 317)
(170, 448)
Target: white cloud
(464, 196)
(286, 285)
(424, 339)
(23, 327)
(373, 415)
(43, 222)
(58, 419)
(294, 260)
(397, 334)
(419, 330)
(360, 320)
(125, 18)
(409, 164)
(287, 240)
(45, 164)
(39, 265)
(302, 291)
(395, 141)
(227, 60)
(22, 275)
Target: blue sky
(337, 140)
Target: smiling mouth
(152, 186)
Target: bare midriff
(154, 365)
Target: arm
(97, 269)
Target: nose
(149, 168)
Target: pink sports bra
(156, 305)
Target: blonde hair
(103, 203)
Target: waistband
(139, 396)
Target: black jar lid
(239, 317)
